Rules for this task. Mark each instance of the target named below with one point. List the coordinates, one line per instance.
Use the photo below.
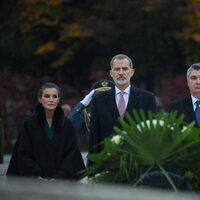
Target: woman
(47, 145)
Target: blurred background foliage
(71, 43)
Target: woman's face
(49, 99)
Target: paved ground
(44, 190)
(4, 166)
(27, 188)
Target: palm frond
(144, 141)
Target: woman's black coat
(36, 155)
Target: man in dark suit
(187, 105)
(105, 111)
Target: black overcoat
(36, 155)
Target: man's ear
(133, 72)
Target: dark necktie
(121, 105)
(197, 112)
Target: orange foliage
(31, 2)
(196, 37)
(31, 14)
(76, 31)
(151, 5)
(54, 3)
(196, 3)
(192, 18)
(47, 22)
(48, 47)
(34, 15)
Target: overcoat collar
(58, 118)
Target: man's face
(193, 82)
(121, 72)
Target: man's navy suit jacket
(104, 113)
(184, 106)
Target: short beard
(121, 82)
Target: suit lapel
(189, 109)
(133, 99)
(110, 101)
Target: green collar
(49, 130)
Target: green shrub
(143, 143)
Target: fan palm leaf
(144, 142)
